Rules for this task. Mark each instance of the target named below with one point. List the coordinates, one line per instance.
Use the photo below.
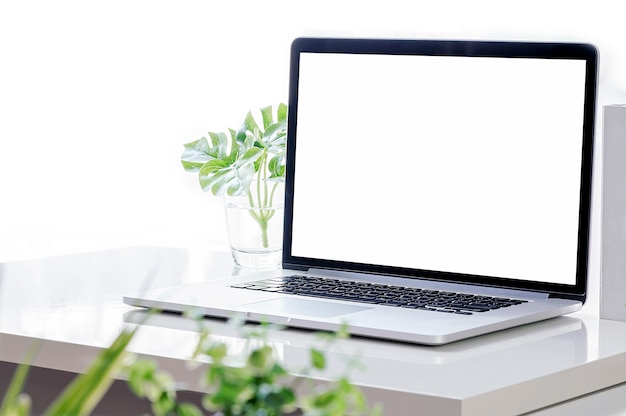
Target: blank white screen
(456, 164)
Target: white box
(613, 274)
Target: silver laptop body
(437, 166)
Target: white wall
(97, 97)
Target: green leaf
(14, 402)
(234, 145)
(250, 123)
(325, 399)
(318, 360)
(164, 404)
(276, 135)
(276, 166)
(195, 155)
(282, 112)
(217, 351)
(219, 148)
(188, 409)
(140, 373)
(85, 391)
(268, 117)
(260, 357)
(278, 370)
(229, 175)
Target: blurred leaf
(217, 351)
(164, 404)
(140, 373)
(262, 386)
(325, 399)
(188, 409)
(260, 357)
(86, 390)
(15, 402)
(318, 359)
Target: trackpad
(289, 306)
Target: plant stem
(261, 208)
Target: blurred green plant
(258, 386)
(82, 395)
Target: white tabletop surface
(74, 303)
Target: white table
(573, 365)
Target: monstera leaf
(197, 153)
(231, 174)
(227, 164)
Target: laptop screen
(456, 160)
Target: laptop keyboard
(379, 294)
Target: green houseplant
(248, 163)
(260, 385)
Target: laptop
(435, 190)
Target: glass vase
(255, 225)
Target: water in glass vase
(255, 230)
